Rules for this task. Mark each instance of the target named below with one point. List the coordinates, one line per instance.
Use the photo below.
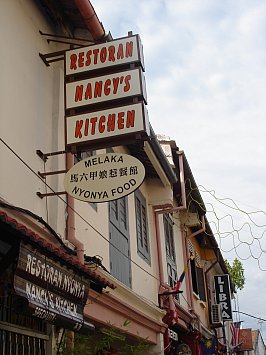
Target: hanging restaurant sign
(118, 52)
(54, 293)
(105, 94)
(113, 122)
(223, 295)
(129, 83)
(245, 339)
(104, 177)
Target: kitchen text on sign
(107, 123)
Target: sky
(205, 71)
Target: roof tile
(37, 239)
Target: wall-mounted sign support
(49, 194)
(223, 295)
(43, 175)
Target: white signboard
(104, 177)
(105, 88)
(120, 51)
(108, 123)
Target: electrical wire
(78, 214)
(234, 232)
(250, 315)
(126, 256)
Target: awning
(56, 252)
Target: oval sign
(104, 177)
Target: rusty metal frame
(39, 194)
(52, 57)
(56, 172)
(44, 156)
(60, 55)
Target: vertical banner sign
(105, 94)
(223, 295)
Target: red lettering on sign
(86, 129)
(111, 51)
(78, 93)
(93, 125)
(95, 52)
(88, 93)
(129, 49)
(79, 125)
(107, 87)
(111, 123)
(103, 54)
(81, 59)
(105, 123)
(73, 60)
(101, 124)
(130, 118)
(88, 57)
(98, 89)
(127, 83)
(115, 85)
(120, 52)
(120, 120)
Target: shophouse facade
(125, 257)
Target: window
(172, 275)
(120, 263)
(142, 227)
(80, 156)
(169, 237)
(170, 250)
(198, 280)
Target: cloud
(206, 84)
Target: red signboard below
(106, 124)
(245, 339)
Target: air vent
(216, 316)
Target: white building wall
(31, 110)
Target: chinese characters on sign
(104, 177)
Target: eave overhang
(55, 252)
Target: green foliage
(102, 343)
(236, 272)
